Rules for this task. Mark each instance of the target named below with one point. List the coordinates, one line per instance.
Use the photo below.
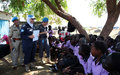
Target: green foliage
(36, 7)
(17, 6)
(64, 4)
(98, 7)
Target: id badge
(31, 30)
(42, 41)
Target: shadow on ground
(41, 69)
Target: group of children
(76, 56)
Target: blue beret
(45, 19)
(31, 16)
(14, 18)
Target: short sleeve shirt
(42, 29)
(14, 32)
(98, 69)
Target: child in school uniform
(67, 42)
(58, 44)
(111, 45)
(84, 57)
(52, 49)
(98, 50)
(50, 31)
(74, 47)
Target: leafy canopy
(99, 7)
(36, 7)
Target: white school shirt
(86, 65)
(97, 69)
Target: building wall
(4, 23)
(5, 16)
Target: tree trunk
(109, 26)
(67, 17)
(113, 14)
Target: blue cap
(31, 16)
(14, 18)
(45, 19)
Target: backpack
(71, 28)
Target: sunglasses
(16, 20)
(32, 18)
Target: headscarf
(28, 20)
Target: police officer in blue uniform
(43, 40)
(29, 47)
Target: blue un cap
(14, 18)
(45, 19)
(31, 16)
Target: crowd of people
(75, 55)
(72, 54)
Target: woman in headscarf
(29, 47)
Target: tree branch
(68, 17)
(118, 7)
(59, 6)
(111, 6)
(58, 12)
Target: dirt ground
(41, 69)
